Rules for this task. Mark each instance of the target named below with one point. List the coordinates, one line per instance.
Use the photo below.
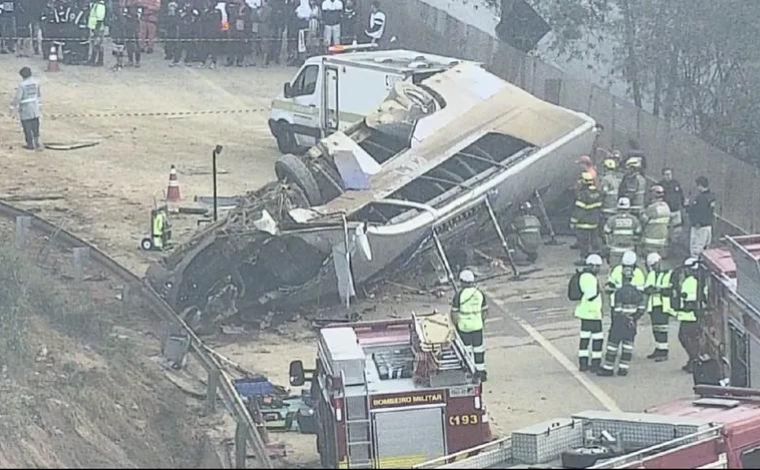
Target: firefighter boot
(622, 372)
(662, 357)
(655, 354)
(604, 372)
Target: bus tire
(291, 169)
(286, 140)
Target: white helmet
(624, 203)
(692, 262)
(653, 258)
(594, 260)
(467, 276)
(629, 258)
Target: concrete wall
(425, 28)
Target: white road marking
(590, 386)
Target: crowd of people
(201, 32)
(620, 217)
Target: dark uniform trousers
(591, 333)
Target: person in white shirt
(332, 12)
(376, 24)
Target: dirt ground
(85, 388)
(108, 190)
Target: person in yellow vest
(589, 312)
(688, 298)
(96, 25)
(468, 312)
(615, 279)
(658, 288)
(159, 229)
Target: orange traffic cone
(172, 192)
(52, 65)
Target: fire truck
(731, 324)
(718, 429)
(391, 394)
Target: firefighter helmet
(629, 258)
(633, 162)
(692, 262)
(585, 160)
(526, 206)
(610, 163)
(658, 190)
(653, 258)
(594, 260)
(587, 177)
(624, 203)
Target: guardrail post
(213, 383)
(81, 255)
(240, 442)
(22, 229)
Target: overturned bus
(437, 161)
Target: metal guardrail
(218, 380)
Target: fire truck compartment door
(408, 437)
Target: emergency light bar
(341, 48)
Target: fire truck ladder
(358, 428)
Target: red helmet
(585, 160)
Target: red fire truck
(731, 324)
(391, 394)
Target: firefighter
(621, 232)
(589, 312)
(587, 165)
(675, 198)
(610, 186)
(159, 229)
(633, 185)
(527, 230)
(655, 221)
(686, 311)
(586, 213)
(468, 311)
(615, 279)
(628, 308)
(658, 288)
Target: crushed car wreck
(431, 165)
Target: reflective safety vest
(529, 230)
(661, 284)
(616, 280)
(158, 224)
(622, 232)
(588, 205)
(610, 187)
(97, 15)
(688, 291)
(470, 310)
(590, 305)
(655, 220)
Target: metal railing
(219, 382)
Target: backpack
(574, 291)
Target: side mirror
(297, 376)
(287, 90)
